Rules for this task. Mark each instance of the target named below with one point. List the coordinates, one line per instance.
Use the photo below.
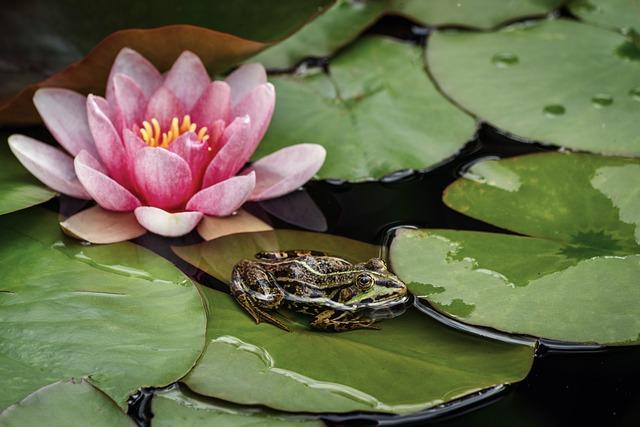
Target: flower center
(153, 136)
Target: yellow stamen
(153, 136)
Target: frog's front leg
(330, 320)
(256, 291)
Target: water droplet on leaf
(601, 100)
(554, 110)
(504, 60)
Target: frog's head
(373, 286)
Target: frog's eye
(364, 281)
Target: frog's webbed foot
(330, 320)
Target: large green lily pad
(483, 14)
(117, 314)
(376, 113)
(74, 403)
(574, 279)
(176, 407)
(18, 188)
(623, 14)
(412, 363)
(324, 35)
(559, 82)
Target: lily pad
(572, 274)
(483, 14)
(558, 82)
(376, 113)
(324, 35)
(66, 404)
(220, 33)
(176, 407)
(117, 314)
(623, 14)
(18, 188)
(309, 371)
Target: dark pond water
(565, 388)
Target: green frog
(340, 295)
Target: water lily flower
(168, 147)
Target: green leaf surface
(622, 14)
(324, 35)
(65, 404)
(175, 407)
(117, 314)
(484, 14)
(18, 188)
(558, 82)
(376, 113)
(412, 363)
(574, 279)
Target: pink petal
(164, 106)
(258, 105)
(132, 64)
(196, 153)
(65, 114)
(244, 79)
(100, 226)
(163, 177)
(187, 79)
(225, 197)
(104, 190)
(165, 223)
(50, 165)
(237, 147)
(287, 169)
(132, 144)
(107, 141)
(130, 101)
(214, 104)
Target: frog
(340, 295)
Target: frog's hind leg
(256, 291)
(330, 320)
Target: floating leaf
(484, 14)
(575, 279)
(175, 407)
(100, 29)
(18, 188)
(310, 371)
(323, 36)
(117, 314)
(65, 404)
(557, 82)
(376, 113)
(623, 14)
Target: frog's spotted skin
(341, 296)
